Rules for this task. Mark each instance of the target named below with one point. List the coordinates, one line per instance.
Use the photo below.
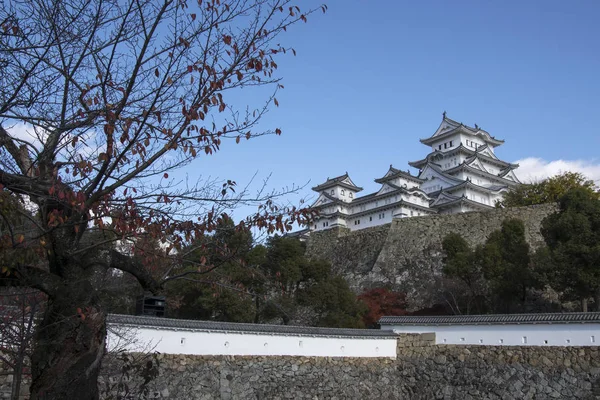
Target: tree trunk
(597, 299)
(69, 346)
(17, 378)
(584, 305)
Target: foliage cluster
(548, 190)
(274, 282)
(498, 275)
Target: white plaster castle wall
(171, 341)
(510, 335)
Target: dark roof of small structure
(497, 319)
(216, 326)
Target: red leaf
(166, 175)
(156, 72)
(276, 102)
(193, 17)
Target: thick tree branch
(128, 264)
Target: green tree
(549, 190)
(468, 293)
(300, 285)
(222, 277)
(496, 275)
(573, 239)
(506, 264)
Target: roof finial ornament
(444, 114)
(476, 126)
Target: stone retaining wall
(423, 370)
(407, 254)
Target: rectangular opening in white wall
(182, 341)
(593, 339)
(524, 340)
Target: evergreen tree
(573, 239)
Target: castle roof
(453, 200)
(442, 173)
(394, 173)
(464, 150)
(449, 127)
(467, 167)
(469, 184)
(342, 180)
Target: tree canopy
(549, 190)
(271, 283)
(573, 239)
(496, 275)
(101, 103)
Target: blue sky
(372, 77)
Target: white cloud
(28, 134)
(533, 169)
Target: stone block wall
(407, 254)
(422, 370)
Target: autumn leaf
(227, 39)
(156, 72)
(166, 176)
(275, 101)
(193, 17)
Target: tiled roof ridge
(234, 327)
(577, 317)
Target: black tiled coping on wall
(216, 326)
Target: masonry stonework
(422, 370)
(407, 254)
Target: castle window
(451, 143)
(332, 191)
(412, 213)
(343, 192)
(445, 145)
(350, 194)
(440, 147)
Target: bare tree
(18, 311)
(99, 101)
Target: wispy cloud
(533, 169)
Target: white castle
(461, 173)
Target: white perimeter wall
(222, 343)
(510, 335)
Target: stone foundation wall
(407, 254)
(422, 370)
